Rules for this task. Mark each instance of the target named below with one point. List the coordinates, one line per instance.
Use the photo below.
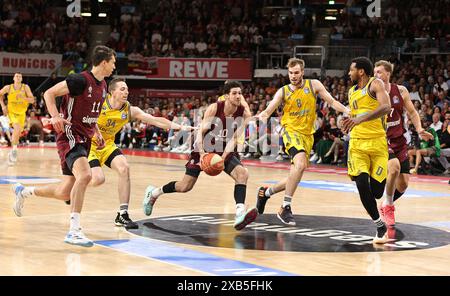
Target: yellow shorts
(368, 156)
(17, 118)
(104, 156)
(298, 141)
(241, 139)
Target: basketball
(212, 164)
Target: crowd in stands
(202, 28)
(36, 26)
(413, 24)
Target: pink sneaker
(387, 214)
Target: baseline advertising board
(29, 64)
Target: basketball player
(299, 112)
(115, 113)
(241, 140)
(84, 94)
(214, 127)
(19, 97)
(398, 165)
(368, 150)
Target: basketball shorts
(98, 158)
(295, 142)
(368, 156)
(17, 118)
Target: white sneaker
(19, 200)
(314, 158)
(77, 237)
(12, 157)
(149, 200)
(166, 149)
(319, 161)
(279, 157)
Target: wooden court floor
(33, 244)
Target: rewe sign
(198, 69)
(203, 69)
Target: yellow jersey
(221, 98)
(16, 104)
(299, 111)
(111, 121)
(362, 102)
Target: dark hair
(365, 64)
(112, 84)
(231, 84)
(102, 53)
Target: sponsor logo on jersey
(90, 120)
(306, 90)
(124, 116)
(396, 100)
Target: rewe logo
(374, 9)
(74, 9)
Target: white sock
(287, 200)
(75, 221)
(388, 200)
(157, 192)
(28, 192)
(240, 208)
(268, 192)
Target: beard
(299, 82)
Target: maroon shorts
(399, 148)
(193, 165)
(69, 151)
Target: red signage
(193, 68)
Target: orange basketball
(212, 164)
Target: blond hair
(387, 65)
(294, 62)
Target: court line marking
(188, 258)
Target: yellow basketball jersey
(221, 98)
(299, 111)
(362, 102)
(111, 121)
(16, 104)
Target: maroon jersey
(395, 120)
(222, 129)
(82, 111)
(220, 133)
(396, 125)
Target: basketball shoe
(12, 157)
(285, 215)
(149, 200)
(19, 199)
(244, 218)
(387, 214)
(382, 235)
(77, 237)
(125, 221)
(261, 199)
